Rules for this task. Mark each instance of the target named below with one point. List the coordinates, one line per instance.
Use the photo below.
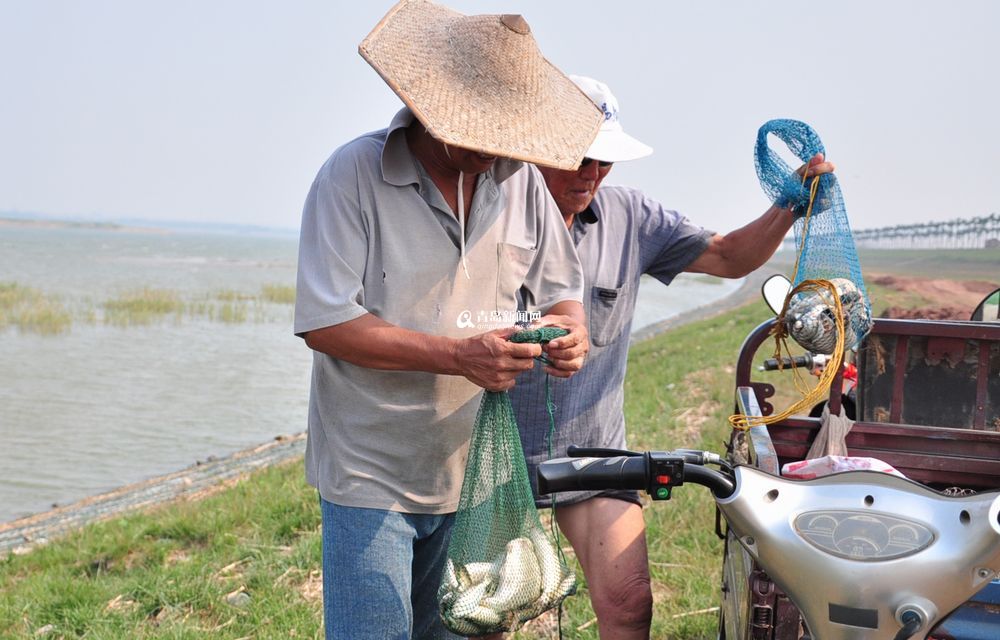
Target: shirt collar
(588, 215)
(398, 164)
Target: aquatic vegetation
(32, 311)
(231, 295)
(278, 293)
(232, 313)
(142, 306)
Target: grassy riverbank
(244, 562)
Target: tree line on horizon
(981, 232)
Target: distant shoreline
(138, 225)
(69, 224)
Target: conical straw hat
(480, 82)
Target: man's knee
(627, 603)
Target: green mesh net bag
(503, 569)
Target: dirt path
(958, 298)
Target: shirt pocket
(513, 263)
(608, 314)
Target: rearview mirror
(775, 289)
(989, 309)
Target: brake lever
(574, 451)
(696, 456)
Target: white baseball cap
(612, 144)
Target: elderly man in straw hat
(415, 242)
(620, 234)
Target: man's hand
(492, 362)
(568, 352)
(816, 166)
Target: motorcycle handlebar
(771, 364)
(655, 472)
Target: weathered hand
(492, 362)
(817, 166)
(567, 353)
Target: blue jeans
(381, 573)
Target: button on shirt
(377, 237)
(622, 236)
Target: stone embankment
(192, 483)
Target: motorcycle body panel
(928, 394)
(845, 543)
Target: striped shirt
(622, 236)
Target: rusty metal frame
(929, 454)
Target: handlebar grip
(771, 364)
(582, 474)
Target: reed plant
(232, 313)
(32, 311)
(232, 295)
(278, 293)
(142, 306)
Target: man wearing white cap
(413, 238)
(620, 234)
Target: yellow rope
(813, 188)
(780, 333)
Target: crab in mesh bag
(826, 251)
(503, 569)
(810, 317)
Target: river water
(102, 405)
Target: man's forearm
(743, 250)
(570, 308)
(754, 244)
(369, 341)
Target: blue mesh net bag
(827, 284)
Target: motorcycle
(855, 555)
(865, 555)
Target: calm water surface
(101, 406)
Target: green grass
(167, 573)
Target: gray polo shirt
(377, 237)
(622, 236)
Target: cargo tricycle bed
(927, 403)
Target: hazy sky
(223, 111)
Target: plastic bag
(809, 469)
